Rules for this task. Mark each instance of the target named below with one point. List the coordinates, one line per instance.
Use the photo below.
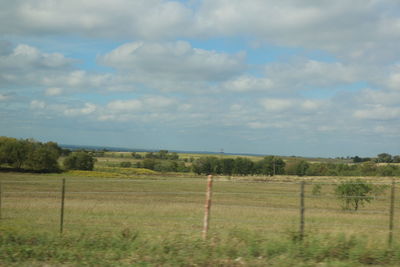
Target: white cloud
(311, 104)
(293, 105)
(367, 30)
(87, 109)
(275, 104)
(394, 81)
(378, 112)
(37, 104)
(119, 18)
(124, 105)
(247, 83)
(173, 61)
(306, 73)
(53, 91)
(25, 57)
(145, 104)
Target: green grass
(167, 211)
(237, 248)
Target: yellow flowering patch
(111, 172)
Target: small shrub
(354, 194)
(80, 160)
(316, 190)
(125, 164)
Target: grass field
(162, 207)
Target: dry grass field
(159, 205)
(156, 220)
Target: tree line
(380, 158)
(31, 155)
(269, 165)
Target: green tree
(368, 168)
(207, 165)
(43, 158)
(80, 160)
(125, 164)
(29, 154)
(243, 166)
(148, 163)
(384, 158)
(227, 166)
(13, 152)
(354, 194)
(270, 165)
(301, 168)
(396, 159)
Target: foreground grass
(237, 248)
(157, 220)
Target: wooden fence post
(207, 206)
(302, 208)
(62, 206)
(391, 218)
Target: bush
(354, 194)
(29, 155)
(80, 160)
(125, 164)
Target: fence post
(391, 218)
(62, 206)
(302, 208)
(207, 206)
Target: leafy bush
(29, 155)
(354, 194)
(125, 164)
(80, 160)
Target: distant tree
(207, 165)
(166, 166)
(368, 168)
(243, 166)
(358, 159)
(182, 167)
(29, 154)
(270, 165)
(150, 155)
(396, 159)
(80, 160)
(125, 164)
(136, 155)
(173, 156)
(162, 154)
(301, 168)
(14, 152)
(227, 166)
(384, 158)
(43, 158)
(65, 151)
(148, 163)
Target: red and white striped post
(207, 206)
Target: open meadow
(161, 207)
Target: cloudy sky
(285, 77)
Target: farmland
(169, 208)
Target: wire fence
(177, 205)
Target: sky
(274, 77)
